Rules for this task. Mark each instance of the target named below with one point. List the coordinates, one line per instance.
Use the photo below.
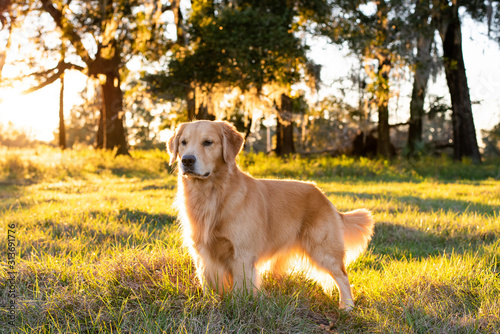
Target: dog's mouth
(191, 174)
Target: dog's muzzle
(188, 167)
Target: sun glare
(37, 113)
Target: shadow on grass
(97, 231)
(9, 195)
(425, 204)
(448, 205)
(400, 242)
(127, 217)
(156, 220)
(160, 187)
(14, 200)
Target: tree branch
(395, 125)
(3, 53)
(60, 68)
(67, 29)
(50, 80)
(166, 7)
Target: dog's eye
(207, 143)
(183, 142)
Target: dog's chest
(203, 211)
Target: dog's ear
(232, 142)
(173, 143)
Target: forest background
(395, 79)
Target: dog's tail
(358, 230)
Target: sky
(37, 113)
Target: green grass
(98, 248)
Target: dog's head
(204, 146)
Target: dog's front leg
(200, 269)
(245, 276)
(212, 275)
(217, 279)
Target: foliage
(124, 26)
(493, 19)
(247, 49)
(242, 47)
(438, 123)
(99, 251)
(145, 116)
(10, 136)
(44, 163)
(7, 21)
(229, 49)
(375, 31)
(485, 11)
(491, 140)
(98, 38)
(81, 127)
(330, 124)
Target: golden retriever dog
(233, 222)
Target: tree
(284, 127)
(146, 116)
(374, 34)
(62, 128)
(7, 19)
(81, 126)
(420, 21)
(491, 140)
(447, 19)
(248, 46)
(118, 30)
(329, 126)
(382, 32)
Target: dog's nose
(188, 160)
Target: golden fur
(233, 222)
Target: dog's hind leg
(337, 270)
(328, 254)
(279, 265)
(285, 260)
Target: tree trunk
(191, 104)
(62, 129)
(419, 91)
(3, 53)
(383, 140)
(464, 132)
(179, 23)
(248, 130)
(205, 112)
(111, 132)
(279, 142)
(201, 111)
(421, 78)
(284, 128)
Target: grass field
(97, 249)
